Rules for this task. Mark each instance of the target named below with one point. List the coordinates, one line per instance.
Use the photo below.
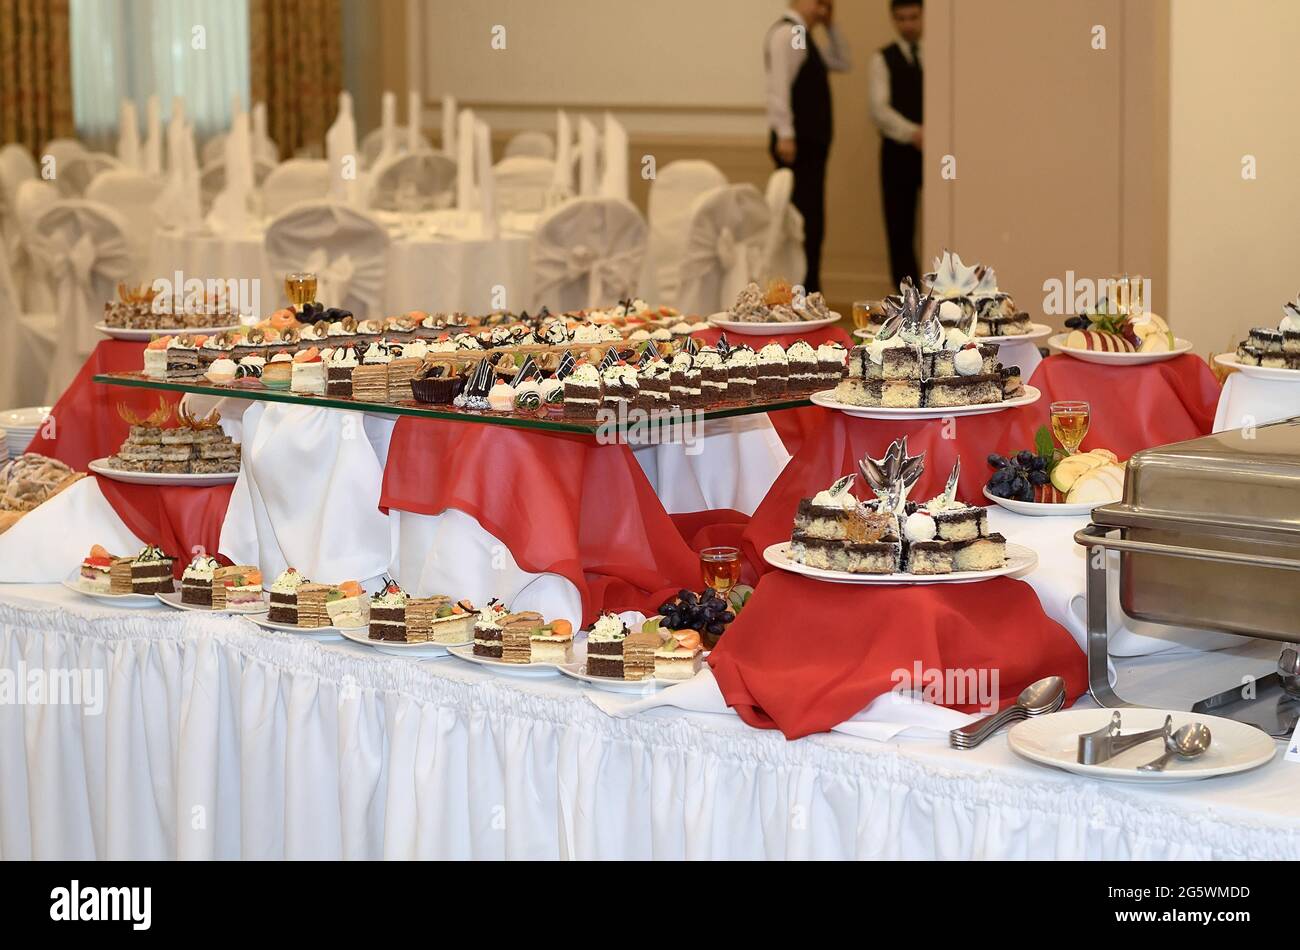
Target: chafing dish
(1208, 535)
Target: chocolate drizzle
(722, 346)
(692, 345)
(480, 383)
(648, 356)
(567, 365)
(530, 370)
(611, 359)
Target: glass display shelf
(539, 420)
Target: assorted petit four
(777, 304)
(195, 446)
(29, 480)
(149, 572)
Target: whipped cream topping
(608, 629)
(772, 353)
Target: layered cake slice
(516, 636)
(370, 383)
(196, 581)
(582, 392)
(985, 553)
(772, 371)
(552, 643)
(853, 557)
(713, 376)
(339, 365)
(151, 572)
(96, 571)
(487, 630)
(388, 614)
(742, 374)
(638, 655)
(439, 619)
(312, 612)
(679, 656)
(120, 580)
(801, 359)
(343, 604)
(831, 362)
(605, 647)
(284, 597)
(237, 587)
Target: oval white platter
(309, 633)
(578, 670)
(99, 467)
(823, 399)
(1057, 343)
(1019, 560)
(500, 666)
(122, 333)
(392, 648)
(1258, 372)
(1054, 740)
(173, 600)
(749, 328)
(1036, 509)
(113, 600)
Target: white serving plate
(1057, 343)
(823, 399)
(1054, 740)
(122, 333)
(174, 600)
(310, 633)
(113, 600)
(419, 650)
(1040, 510)
(748, 328)
(534, 670)
(27, 419)
(1020, 559)
(100, 467)
(1258, 372)
(578, 670)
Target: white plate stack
(20, 427)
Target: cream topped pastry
(661, 335)
(341, 356)
(608, 629)
(681, 328)
(288, 582)
(586, 333)
(742, 356)
(501, 397)
(772, 354)
(203, 567)
(222, 371)
(837, 496)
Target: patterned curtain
(35, 72)
(296, 58)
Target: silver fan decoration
(893, 476)
(914, 320)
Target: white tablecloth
(203, 737)
(438, 262)
(1247, 401)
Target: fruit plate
(1020, 560)
(123, 333)
(823, 399)
(1057, 343)
(1258, 372)
(100, 467)
(1038, 509)
(723, 321)
(1054, 740)
(113, 600)
(173, 599)
(418, 650)
(535, 670)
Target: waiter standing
(799, 113)
(896, 100)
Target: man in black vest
(799, 113)
(896, 101)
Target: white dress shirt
(892, 124)
(783, 64)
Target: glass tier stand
(607, 425)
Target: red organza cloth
(804, 655)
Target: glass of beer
(720, 568)
(1070, 424)
(862, 314)
(301, 288)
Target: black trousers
(810, 198)
(900, 186)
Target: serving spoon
(1044, 696)
(1188, 742)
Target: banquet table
(204, 737)
(1247, 402)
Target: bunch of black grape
(708, 612)
(1017, 477)
(1078, 322)
(311, 312)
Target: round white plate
(121, 333)
(174, 600)
(114, 600)
(1054, 740)
(99, 467)
(309, 633)
(747, 328)
(823, 399)
(500, 666)
(578, 670)
(1258, 372)
(1019, 560)
(391, 648)
(1040, 510)
(1181, 346)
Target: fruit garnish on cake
(1046, 475)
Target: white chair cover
(28, 351)
(613, 177)
(16, 167)
(346, 249)
(128, 136)
(724, 248)
(76, 173)
(33, 279)
(587, 253)
(783, 254)
(213, 179)
(422, 181)
(341, 154)
(588, 157)
(264, 150)
(294, 181)
(673, 193)
(530, 144)
(132, 194)
(61, 150)
(523, 183)
(84, 248)
(372, 145)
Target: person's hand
(918, 139)
(786, 150)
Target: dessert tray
(725, 321)
(116, 600)
(100, 467)
(1057, 343)
(1278, 374)
(1053, 740)
(823, 399)
(1020, 559)
(535, 670)
(1038, 331)
(420, 650)
(1038, 509)
(173, 599)
(147, 334)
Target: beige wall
(1234, 245)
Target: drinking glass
(720, 568)
(1070, 424)
(301, 288)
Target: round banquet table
(437, 262)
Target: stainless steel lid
(1244, 483)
